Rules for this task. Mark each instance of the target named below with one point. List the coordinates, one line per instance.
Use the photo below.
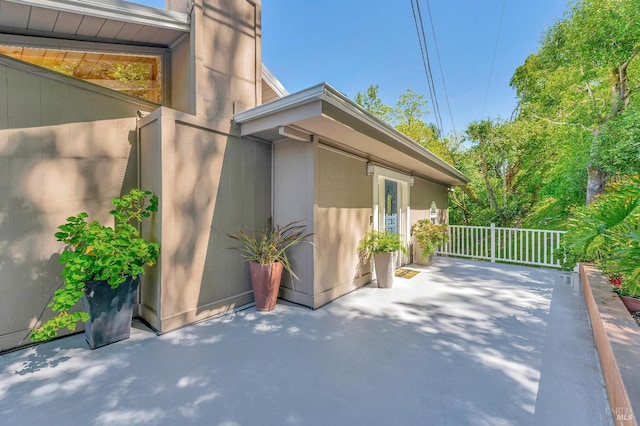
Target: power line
(444, 85)
(425, 62)
(493, 59)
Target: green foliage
(429, 236)
(619, 142)
(270, 245)
(98, 252)
(576, 125)
(577, 112)
(380, 242)
(584, 77)
(608, 232)
(409, 117)
(370, 100)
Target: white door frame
(379, 176)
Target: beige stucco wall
(423, 193)
(226, 49)
(335, 184)
(209, 180)
(343, 212)
(332, 194)
(293, 180)
(210, 184)
(64, 148)
(182, 88)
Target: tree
(409, 117)
(370, 100)
(584, 76)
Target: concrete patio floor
(462, 343)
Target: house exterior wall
(343, 213)
(182, 77)
(293, 200)
(332, 194)
(226, 52)
(64, 148)
(210, 181)
(315, 180)
(423, 193)
(68, 146)
(211, 184)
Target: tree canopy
(576, 126)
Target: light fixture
(291, 133)
(369, 168)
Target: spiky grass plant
(270, 245)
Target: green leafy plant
(270, 244)
(429, 236)
(97, 252)
(380, 242)
(607, 232)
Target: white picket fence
(513, 245)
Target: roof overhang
(274, 84)
(105, 20)
(337, 121)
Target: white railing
(513, 245)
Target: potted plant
(102, 265)
(381, 246)
(266, 252)
(631, 302)
(427, 238)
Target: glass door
(391, 214)
(391, 205)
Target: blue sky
(352, 44)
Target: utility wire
(444, 85)
(425, 62)
(493, 59)
(431, 79)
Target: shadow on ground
(461, 343)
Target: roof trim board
(117, 10)
(323, 100)
(273, 82)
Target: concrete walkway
(462, 343)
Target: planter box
(265, 280)
(385, 267)
(418, 258)
(110, 311)
(632, 303)
(617, 339)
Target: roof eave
(273, 82)
(339, 100)
(118, 10)
(325, 93)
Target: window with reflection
(136, 75)
(433, 213)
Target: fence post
(493, 242)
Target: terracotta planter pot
(110, 311)
(385, 267)
(265, 280)
(632, 303)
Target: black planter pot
(110, 311)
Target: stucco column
(226, 52)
